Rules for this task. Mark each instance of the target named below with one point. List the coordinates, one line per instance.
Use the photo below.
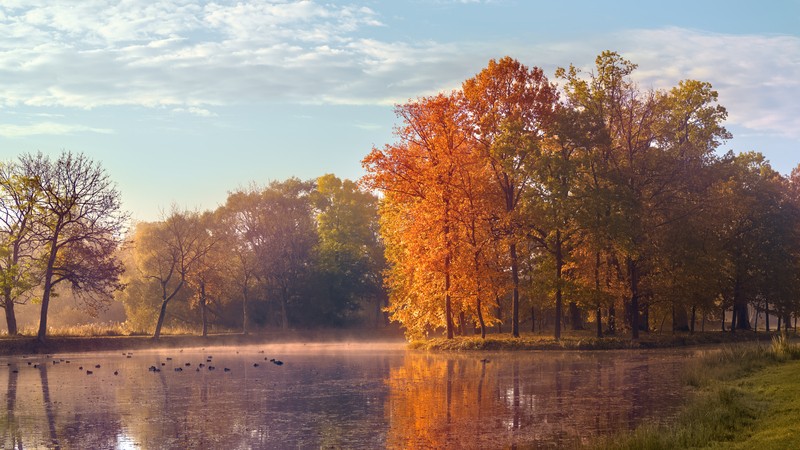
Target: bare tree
(79, 224)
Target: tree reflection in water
(457, 401)
(334, 397)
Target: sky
(182, 102)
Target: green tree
(349, 255)
(19, 252)
(657, 144)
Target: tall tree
(166, 252)
(657, 142)
(19, 252)
(288, 235)
(417, 176)
(80, 224)
(509, 106)
(349, 255)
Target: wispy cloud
(190, 57)
(757, 76)
(47, 128)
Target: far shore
(23, 345)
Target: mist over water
(353, 395)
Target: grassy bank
(746, 397)
(584, 341)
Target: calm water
(332, 396)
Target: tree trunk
(11, 317)
(448, 307)
(48, 287)
(284, 315)
(723, 318)
(164, 300)
(766, 315)
(533, 319)
(203, 313)
(612, 319)
(633, 271)
(740, 307)
(694, 319)
(480, 318)
(599, 312)
(559, 264)
(161, 316)
(575, 317)
(499, 315)
(515, 298)
(244, 308)
(755, 325)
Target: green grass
(746, 397)
(581, 341)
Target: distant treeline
(511, 198)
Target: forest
(513, 201)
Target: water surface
(332, 396)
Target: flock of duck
(153, 368)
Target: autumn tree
(509, 107)
(79, 223)
(167, 251)
(417, 215)
(240, 221)
(19, 252)
(208, 277)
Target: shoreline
(587, 343)
(24, 345)
(29, 345)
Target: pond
(332, 396)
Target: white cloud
(189, 57)
(47, 128)
(757, 76)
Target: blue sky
(184, 101)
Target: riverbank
(745, 397)
(24, 345)
(585, 341)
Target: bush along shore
(585, 342)
(744, 397)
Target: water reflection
(330, 397)
(562, 399)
